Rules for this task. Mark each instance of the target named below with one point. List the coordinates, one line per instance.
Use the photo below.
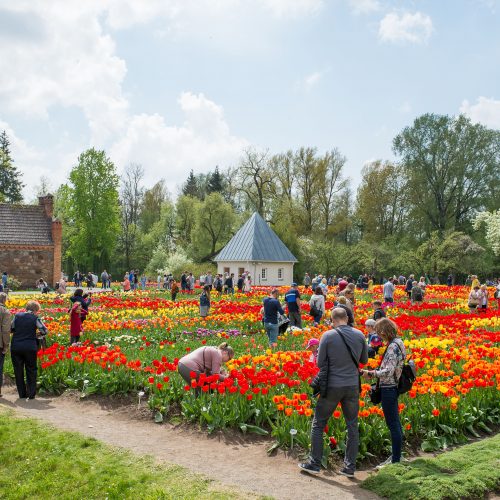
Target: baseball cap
(312, 342)
(370, 322)
(294, 284)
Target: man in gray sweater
(340, 352)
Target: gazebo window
(281, 272)
(263, 274)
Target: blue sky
(181, 84)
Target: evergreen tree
(190, 187)
(10, 183)
(215, 182)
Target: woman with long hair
(387, 376)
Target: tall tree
(191, 187)
(215, 182)
(185, 208)
(93, 210)
(151, 205)
(330, 184)
(213, 226)
(381, 204)
(284, 176)
(309, 174)
(450, 165)
(255, 179)
(342, 226)
(10, 178)
(131, 199)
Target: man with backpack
(292, 299)
(340, 352)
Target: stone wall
(28, 264)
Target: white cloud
(64, 57)
(29, 161)
(407, 27)
(168, 151)
(364, 6)
(485, 111)
(71, 63)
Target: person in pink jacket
(207, 360)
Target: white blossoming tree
(492, 223)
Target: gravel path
(229, 460)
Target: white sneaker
(384, 463)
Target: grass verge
(470, 471)
(38, 461)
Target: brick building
(30, 242)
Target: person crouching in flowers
(205, 301)
(207, 360)
(76, 327)
(388, 375)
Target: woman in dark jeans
(388, 377)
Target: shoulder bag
(375, 391)
(356, 363)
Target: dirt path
(231, 461)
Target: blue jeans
(348, 397)
(391, 413)
(317, 318)
(272, 330)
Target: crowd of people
(338, 354)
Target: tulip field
(132, 343)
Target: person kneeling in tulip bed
(207, 360)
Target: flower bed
(133, 343)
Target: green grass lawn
(470, 471)
(38, 461)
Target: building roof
(255, 241)
(24, 225)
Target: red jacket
(75, 321)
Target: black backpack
(408, 375)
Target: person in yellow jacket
(475, 282)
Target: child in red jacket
(76, 315)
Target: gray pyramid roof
(255, 241)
